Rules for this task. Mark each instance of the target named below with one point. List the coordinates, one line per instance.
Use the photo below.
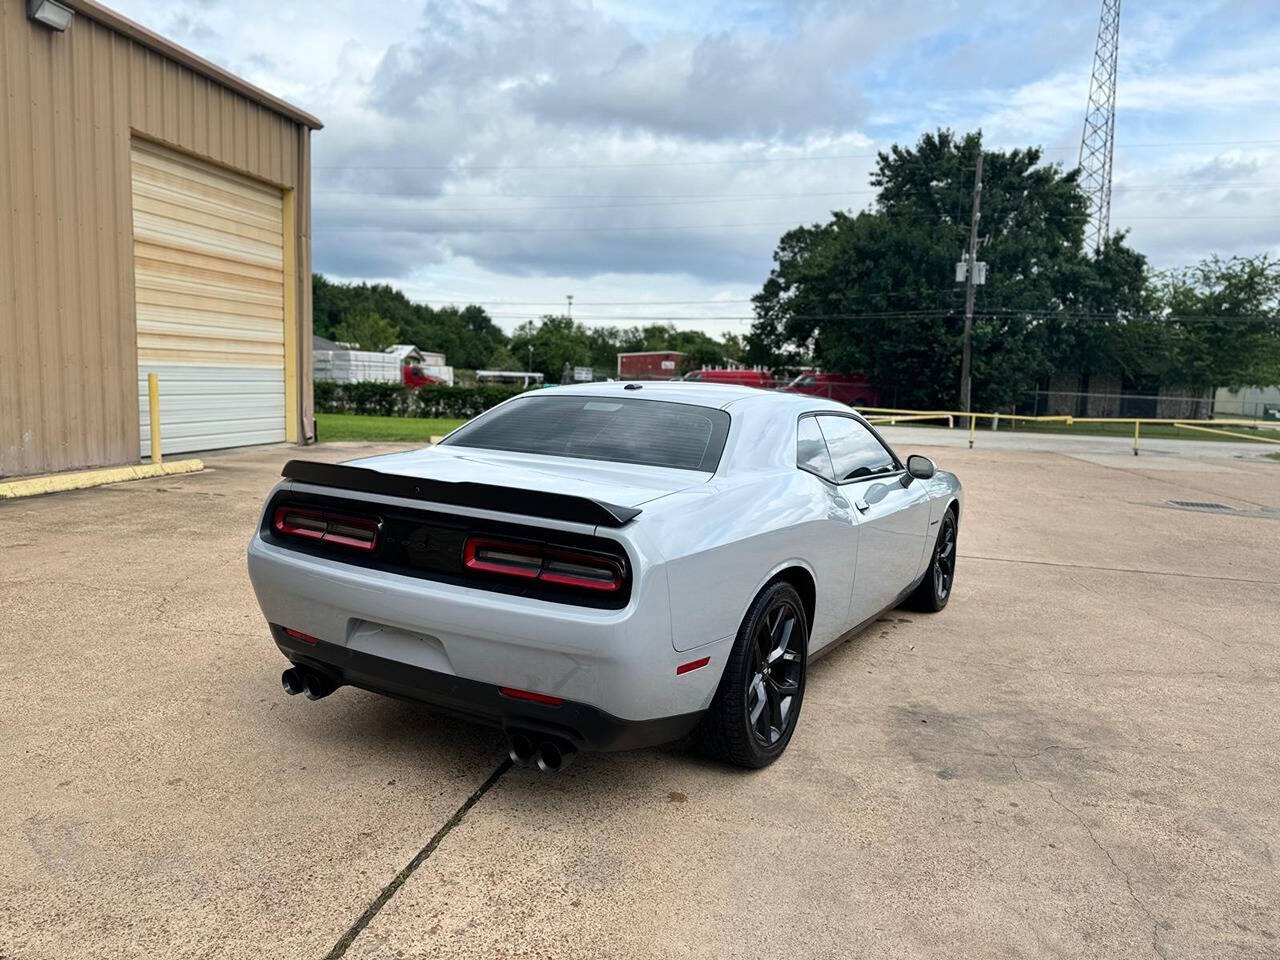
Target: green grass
(353, 426)
(1273, 456)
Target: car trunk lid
(625, 484)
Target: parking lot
(1078, 758)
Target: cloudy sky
(645, 157)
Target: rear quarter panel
(724, 541)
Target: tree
(874, 292)
(1219, 322)
(556, 341)
(366, 329)
(466, 335)
(504, 359)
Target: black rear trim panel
(428, 544)
(588, 727)
(479, 496)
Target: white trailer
(355, 366)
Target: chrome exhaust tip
(292, 681)
(316, 686)
(520, 749)
(552, 757)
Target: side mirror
(920, 467)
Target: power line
(872, 315)
(695, 201)
(582, 303)
(608, 206)
(432, 198)
(938, 314)
(925, 218)
(589, 196)
(691, 226)
(462, 166)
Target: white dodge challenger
(606, 566)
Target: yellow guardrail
(893, 415)
(891, 420)
(1229, 433)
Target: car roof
(691, 391)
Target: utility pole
(971, 280)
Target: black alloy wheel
(773, 682)
(935, 589)
(944, 560)
(755, 710)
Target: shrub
(396, 400)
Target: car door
(833, 538)
(891, 510)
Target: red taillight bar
(299, 635)
(357, 533)
(531, 561)
(502, 556)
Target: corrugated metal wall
(71, 104)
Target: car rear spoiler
(479, 496)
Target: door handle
(861, 505)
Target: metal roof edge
(134, 31)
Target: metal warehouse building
(156, 217)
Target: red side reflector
(533, 697)
(299, 635)
(692, 665)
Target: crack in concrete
(344, 942)
(1139, 570)
(1124, 874)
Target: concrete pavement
(1077, 758)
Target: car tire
(935, 589)
(756, 707)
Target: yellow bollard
(973, 426)
(1136, 424)
(153, 405)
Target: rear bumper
(621, 663)
(587, 727)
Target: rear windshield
(626, 430)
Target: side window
(855, 450)
(811, 449)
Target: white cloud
(524, 150)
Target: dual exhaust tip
(548, 754)
(298, 680)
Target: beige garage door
(209, 272)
